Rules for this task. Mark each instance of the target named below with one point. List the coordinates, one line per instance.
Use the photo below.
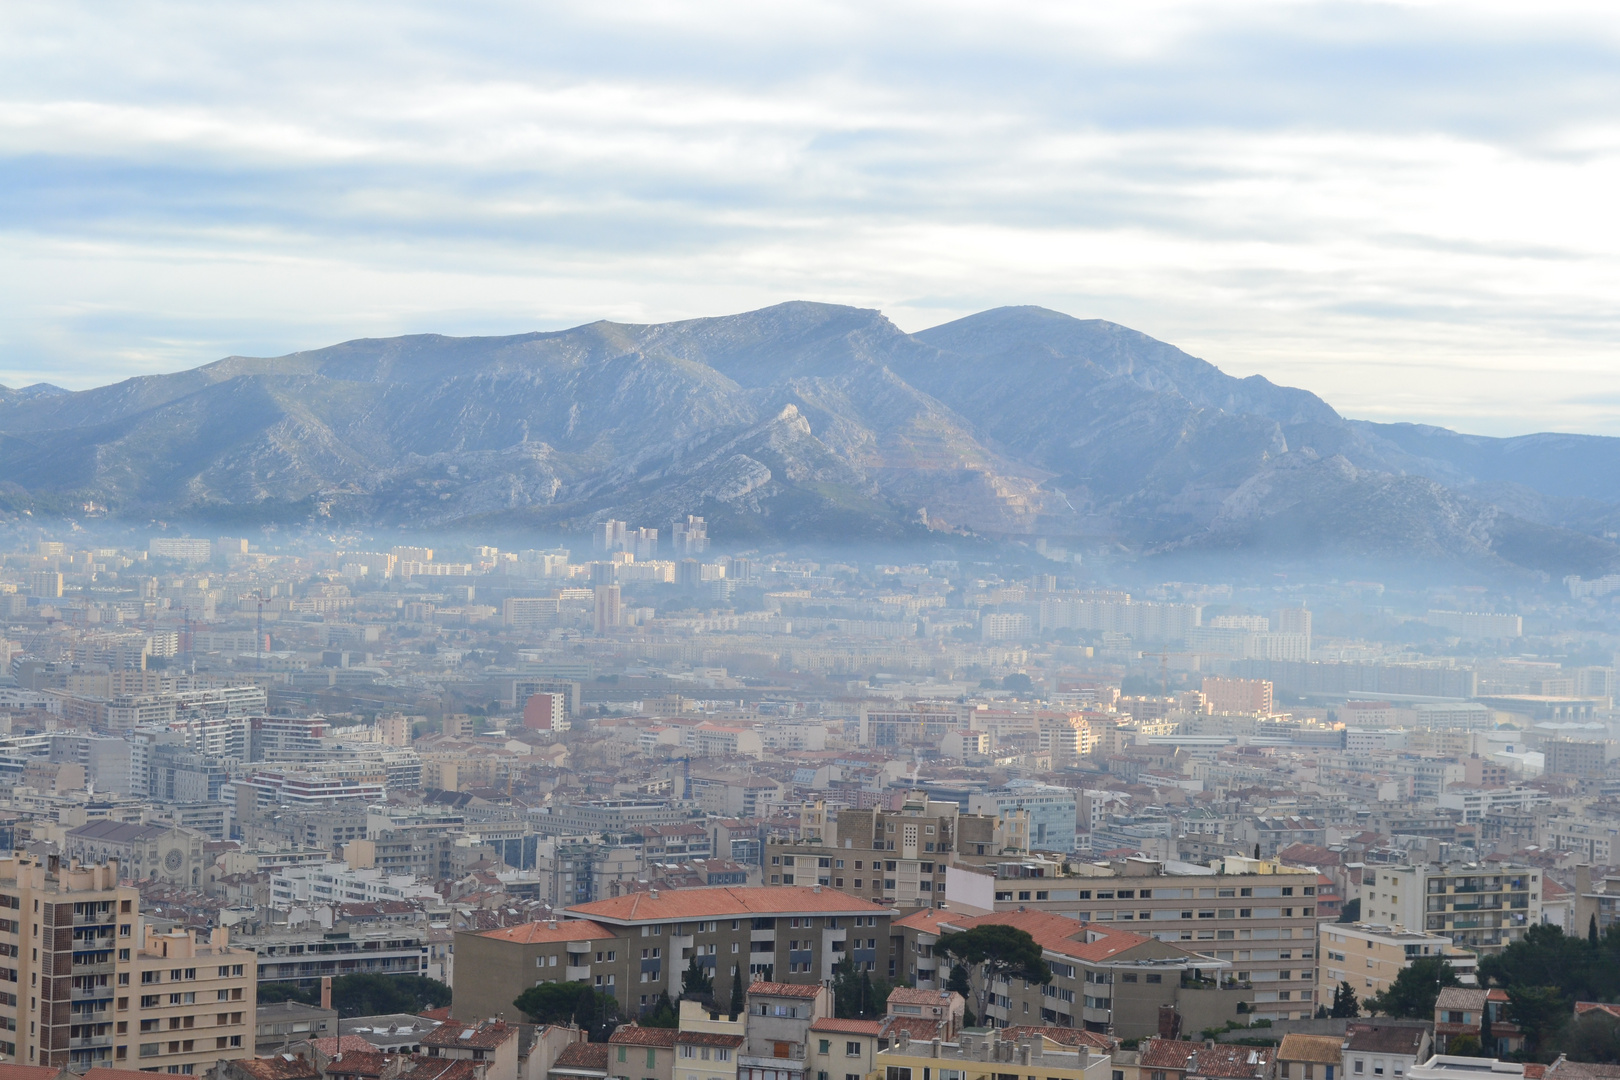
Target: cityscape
(1212, 808)
(809, 541)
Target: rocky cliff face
(810, 421)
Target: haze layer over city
(696, 542)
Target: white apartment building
(1475, 802)
(1480, 907)
(337, 883)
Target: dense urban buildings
(235, 769)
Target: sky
(1409, 209)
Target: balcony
(90, 993)
(89, 1042)
(581, 973)
(102, 918)
(795, 1055)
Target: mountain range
(813, 422)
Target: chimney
(326, 991)
(652, 894)
(1169, 1022)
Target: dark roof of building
(1383, 1038)
(118, 832)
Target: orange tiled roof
(709, 1038)
(1060, 934)
(927, 920)
(636, 1035)
(729, 901)
(534, 933)
(907, 995)
(776, 989)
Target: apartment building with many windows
(1370, 956)
(639, 946)
(1480, 907)
(1257, 914)
(897, 857)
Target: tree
(1413, 993)
(662, 1014)
(852, 992)
(1540, 1012)
(1345, 1004)
(595, 1013)
(1351, 912)
(377, 995)
(1594, 1036)
(549, 1003)
(737, 1005)
(697, 980)
(1000, 952)
(1591, 930)
(1487, 1038)
(958, 981)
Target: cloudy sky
(1410, 209)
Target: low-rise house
(1309, 1057)
(945, 1006)
(278, 1026)
(706, 1055)
(492, 1042)
(843, 1049)
(580, 1061)
(1459, 1010)
(1372, 1050)
(644, 1053)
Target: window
(826, 1046)
(852, 1049)
(687, 1050)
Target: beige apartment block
(192, 1002)
(1369, 956)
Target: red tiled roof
(583, 1055)
(636, 1035)
(338, 1044)
(708, 1038)
(45, 1072)
(1060, 934)
(906, 995)
(279, 1067)
(485, 1036)
(919, 1028)
(776, 989)
(727, 901)
(927, 920)
(873, 1028)
(356, 1063)
(534, 933)
(1167, 1053)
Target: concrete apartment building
(1369, 956)
(92, 992)
(1479, 907)
(197, 1002)
(1104, 978)
(1259, 915)
(897, 857)
(638, 946)
(1052, 811)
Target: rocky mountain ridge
(810, 421)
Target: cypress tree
(736, 992)
(1591, 930)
